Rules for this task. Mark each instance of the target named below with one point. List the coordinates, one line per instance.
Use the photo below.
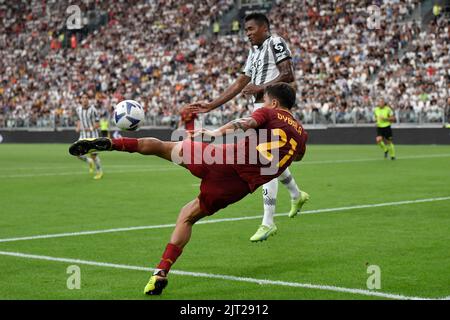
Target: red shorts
(221, 185)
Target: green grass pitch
(45, 191)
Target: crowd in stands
(158, 52)
(419, 82)
(145, 52)
(343, 65)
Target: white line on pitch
(77, 167)
(29, 175)
(82, 233)
(372, 159)
(170, 168)
(221, 277)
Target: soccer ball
(129, 115)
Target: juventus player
(268, 62)
(87, 126)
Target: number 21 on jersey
(265, 147)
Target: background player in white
(87, 126)
(268, 62)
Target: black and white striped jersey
(261, 65)
(88, 119)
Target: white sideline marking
(372, 159)
(82, 233)
(170, 168)
(84, 172)
(80, 166)
(222, 277)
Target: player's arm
(377, 116)
(96, 125)
(231, 92)
(391, 117)
(231, 127)
(258, 118)
(77, 129)
(286, 75)
(239, 124)
(95, 120)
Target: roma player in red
(223, 183)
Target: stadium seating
(167, 60)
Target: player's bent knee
(193, 218)
(191, 212)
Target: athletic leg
(145, 146)
(298, 197)
(268, 227)
(270, 191)
(288, 181)
(181, 235)
(89, 161)
(98, 166)
(382, 145)
(162, 149)
(390, 147)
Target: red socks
(125, 144)
(169, 257)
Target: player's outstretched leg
(83, 146)
(298, 197)
(189, 215)
(268, 227)
(145, 146)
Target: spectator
(165, 61)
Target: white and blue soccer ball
(129, 115)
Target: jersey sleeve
(247, 70)
(261, 116)
(391, 112)
(280, 50)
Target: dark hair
(282, 92)
(259, 18)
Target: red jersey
(281, 139)
(255, 160)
